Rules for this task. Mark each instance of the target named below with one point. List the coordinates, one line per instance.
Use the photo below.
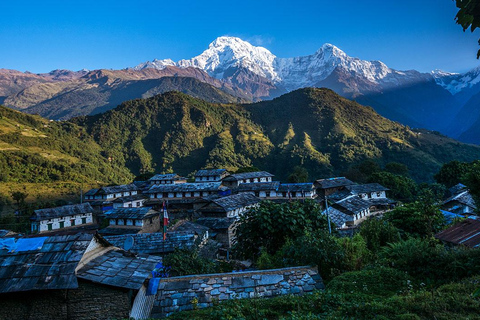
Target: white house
(210, 175)
(264, 190)
(50, 219)
(169, 178)
(230, 206)
(111, 193)
(185, 190)
(135, 201)
(236, 179)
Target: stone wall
(178, 293)
(89, 301)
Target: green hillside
(314, 128)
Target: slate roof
(248, 175)
(456, 189)
(366, 188)
(236, 201)
(130, 198)
(152, 243)
(333, 183)
(210, 172)
(166, 177)
(464, 198)
(380, 201)
(352, 205)
(188, 226)
(115, 230)
(337, 217)
(131, 213)
(216, 223)
(118, 189)
(48, 264)
(70, 210)
(186, 187)
(465, 233)
(296, 187)
(91, 192)
(258, 186)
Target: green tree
(271, 224)
(401, 188)
(472, 181)
(452, 173)
(298, 175)
(378, 233)
(468, 16)
(397, 168)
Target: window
(129, 205)
(84, 220)
(72, 222)
(62, 224)
(50, 226)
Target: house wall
(151, 225)
(176, 294)
(90, 301)
(67, 221)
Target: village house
(111, 193)
(348, 212)
(44, 220)
(209, 175)
(222, 229)
(326, 187)
(229, 206)
(169, 178)
(185, 190)
(297, 191)
(461, 201)
(236, 179)
(72, 277)
(465, 233)
(135, 201)
(131, 221)
(263, 190)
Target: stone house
(44, 220)
(348, 212)
(222, 229)
(185, 191)
(135, 201)
(297, 191)
(111, 193)
(326, 187)
(263, 190)
(209, 175)
(169, 178)
(131, 221)
(79, 276)
(461, 201)
(236, 179)
(229, 206)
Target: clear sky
(40, 36)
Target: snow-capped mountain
(455, 82)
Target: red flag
(165, 221)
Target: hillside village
(105, 254)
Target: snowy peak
(156, 64)
(231, 52)
(455, 82)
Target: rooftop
(63, 211)
(186, 187)
(236, 201)
(333, 182)
(152, 243)
(466, 232)
(248, 175)
(296, 187)
(118, 189)
(168, 176)
(464, 198)
(258, 186)
(352, 205)
(366, 188)
(210, 172)
(130, 198)
(216, 223)
(131, 213)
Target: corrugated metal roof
(248, 175)
(333, 182)
(210, 172)
(186, 187)
(465, 233)
(63, 211)
(258, 186)
(131, 213)
(50, 267)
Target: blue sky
(40, 36)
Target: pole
(328, 216)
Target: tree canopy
(468, 16)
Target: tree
(468, 16)
(19, 197)
(378, 233)
(401, 188)
(451, 173)
(472, 181)
(397, 168)
(298, 175)
(271, 224)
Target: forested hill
(313, 128)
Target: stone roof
(248, 175)
(63, 211)
(130, 198)
(466, 232)
(216, 223)
(456, 189)
(333, 183)
(337, 217)
(366, 188)
(119, 268)
(210, 172)
(188, 226)
(464, 198)
(5, 233)
(114, 189)
(351, 205)
(236, 201)
(152, 243)
(91, 192)
(186, 187)
(41, 263)
(258, 186)
(131, 213)
(166, 177)
(117, 230)
(296, 187)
